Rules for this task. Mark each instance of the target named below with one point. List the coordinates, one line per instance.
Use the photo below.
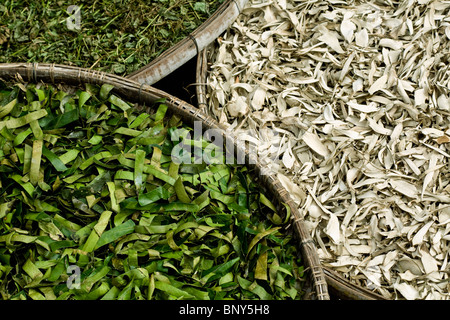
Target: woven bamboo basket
(144, 95)
(189, 47)
(339, 286)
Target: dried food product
(348, 102)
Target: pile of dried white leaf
(353, 99)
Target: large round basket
(339, 286)
(145, 95)
(190, 46)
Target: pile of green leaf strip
(119, 36)
(92, 206)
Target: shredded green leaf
(90, 209)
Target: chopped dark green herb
(100, 34)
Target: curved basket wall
(339, 286)
(189, 47)
(146, 95)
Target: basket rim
(144, 94)
(192, 45)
